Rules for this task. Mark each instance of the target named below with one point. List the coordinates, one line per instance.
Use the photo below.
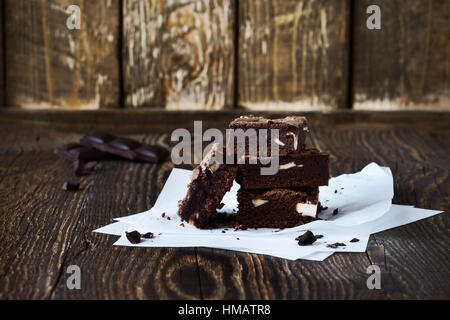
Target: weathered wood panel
(178, 54)
(50, 66)
(293, 54)
(405, 64)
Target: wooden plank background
(406, 64)
(179, 54)
(218, 54)
(293, 54)
(50, 66)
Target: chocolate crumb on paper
(335, 245)
(354, 240)
(148, 235)
(306, 239)
(182, 225)
(134, 237)
(319, 236)
(335, 211)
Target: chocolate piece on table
(71, 186)
(125, 148)
(210, 181)
(134, 237)
(292, 132)
(354, 240)
(277, 208)
(306, 239)
(76, 151)
(301, 169)
(83, 168)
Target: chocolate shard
(134, 237)
(125, 147)
(354, 240)
(71, 186)
(83, 168)
(335, 245)
(76, 151)
(306, 239)
(148, 235)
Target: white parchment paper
(363, 200)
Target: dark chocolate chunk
(125, 147)
(354, 240)
(148, 235)
(335, 191)
(71, 186)
(134, 237)
(76, 151)
(83, 168)
(319, 236)
(306, 239)
(335, 245)
(335, 211)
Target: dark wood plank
(162, 121)
(50, 66)
(405, 64)
(178, 55)
(293, 54)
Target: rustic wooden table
(43, 229)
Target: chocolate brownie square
(301, 169)
(277, 208)
(292, 133)
(210, 181)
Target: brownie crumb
(306, 239)
(354, 240)
(148, 235)
(319, 236)
(335, 245)
(163, 214)
(223, 231)
(70, 186)
(134, 237)
(335, 191)
(335, 211)
(182, 225)
(168, 218)
(237, 239)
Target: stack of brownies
(288, 198)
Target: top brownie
(292, 133)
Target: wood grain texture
(405, 64)
(50, 66)
(43, 229)
(178, 54)
(293, 54)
